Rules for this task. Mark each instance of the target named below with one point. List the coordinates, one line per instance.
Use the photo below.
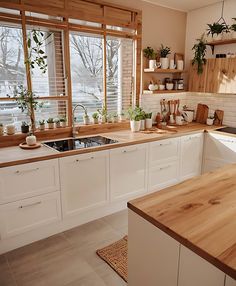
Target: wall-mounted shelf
(220, 43)
(163, 71)
(148, 92)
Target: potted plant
(103, 114)
(63, 122)
(95, 117)
(86, 117)
(233, 29)
(164, 52)
(148, 120)
(115, 117)
(57, 122)
(151, 55)
(31, 139)
(1, 129)
(216, 29)
(109, 118)
(50, 123)
(122, 116)
(142, 119)
(24, 127)
(199, 54)
(210, 120)
(41, 125)
(134, 116)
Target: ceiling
(183, 5)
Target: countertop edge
(199, 251)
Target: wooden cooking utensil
(177, 111)
(202, 113)
(219, 115)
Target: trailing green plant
(217, 28)
(95, 115)
(199, 54)
(164, 51)
(148, 115)
(50, 120)
(149, 53)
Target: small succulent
(62, 119)
(50, 120)
(24, 123)
(148, 115)
(95, 115)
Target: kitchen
(106, 129)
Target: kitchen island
(186, 234)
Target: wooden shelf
(220, 43)
(165, 91)
(164, 71)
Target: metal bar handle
(165, 167)
(84, 159)
(26, 171)
(30, 205)
(130, 150)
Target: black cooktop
(231, 130)
(79, 143)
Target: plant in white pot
(1, 129)
(210, 120)
(63, 122)
(57, 122)
(134, 116)
(151, 55)
(216, 30)
(142, 119)
(50, 123)
(148, 120)
(164, 52)
(103, 114)
(41, 125)
(233, 29)
(86, 117)
(115, 117)
(95, 117)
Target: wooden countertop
(200, 213)
(10, 156)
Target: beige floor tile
(91, 279)
(6, 277)
(118, 221)
(109, 276)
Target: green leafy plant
(135, 113)
(63, 119)
(148, 115)
(164, 51)
(199, 54)
(95, 115)
(217, 28)
(56, 120)
(41, 122)
(149, 53)
(102, 111)
(50, 120)
(233, 26)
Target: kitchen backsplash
(226, 102)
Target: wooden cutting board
(202, 113)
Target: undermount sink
(69, 144)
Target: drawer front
(164, 150)
(29, 214)
(163, 176)
(28, 180)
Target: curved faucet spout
(74, 132)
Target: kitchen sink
(79, 143)
(230, 130)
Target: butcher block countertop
(200, 213)
(10, 156)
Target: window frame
(65, 25)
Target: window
(86, 56)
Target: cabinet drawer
(162, 176)
(29, 214)
(28, 180)
(164, 150)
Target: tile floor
(67, 259)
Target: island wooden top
(10, 156)
(200, 213)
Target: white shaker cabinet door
(230, 281)
(191, 156)
(84, 182)
(196, 271)
(128, 171)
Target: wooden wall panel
(197, 82)
(118, 17)
(45, 4)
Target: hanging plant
(199, 54)
(217, 28)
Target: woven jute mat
(116, 255)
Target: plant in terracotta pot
(95, 117)
(164, 52)
(50, 123)
(151, 55)
(199, 54)
(63, 122)
(41, 125)
(148, 120)
(216, 30)
(135, 119)
(233, 29)
(24, 127)
(1, 129)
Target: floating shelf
(163, 71)
(163, 91)
(220, 42)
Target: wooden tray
(27, 147)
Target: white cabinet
(28, 180)
(84, 182)
(25, 215)
(128, 172)
(152, 255)
(230, 281)
(219, 150)
(195, 271)
(191, 156)
(163, 163)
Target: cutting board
(202, 113)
